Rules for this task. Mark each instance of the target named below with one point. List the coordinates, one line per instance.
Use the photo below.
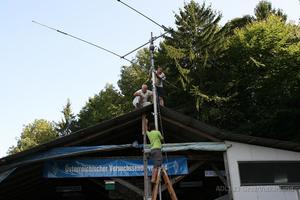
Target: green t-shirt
(155, 138)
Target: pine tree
(264, 9)
(68, 123)
(194, 49)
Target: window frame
(296, 184)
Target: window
(254, 173)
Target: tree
(237, 23)
(261, 12)
(105, 105)
(264, 9)
(68, 123)
(263, 59)
(38, 132)
(245, 82)
(132, 77)
(191, 56)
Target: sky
(40, 69)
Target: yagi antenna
(82, 40)
(135, 10)
(145, 16)
(154, 38)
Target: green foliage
(68, 123)
(264, 9)
(105, 105)
(244, 81)
(132, 77)
(237, 23)
(38, 132)
(264, 59)
(192, 52)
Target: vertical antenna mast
(147, 192)
(155, 98)
(151, 48)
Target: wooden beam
(18, 174)
(191, 122)
(177, 137)
(179, 178)
(230, 194)
(23, 177)
(219, 174)
(193, 130)
(129, 186)
(206, 157)
(86, 138)
(224, 197)
(147, 189)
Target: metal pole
(159, 190)
(155, 99)
(153, 81)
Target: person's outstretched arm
(138, 93)
(160, 136)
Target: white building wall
(245, 152)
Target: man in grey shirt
(160, 77)
(142, 97)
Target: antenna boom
(82, 40)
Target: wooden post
(169, 185)
(145, 161)
(226, 165)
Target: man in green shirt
(155, 139)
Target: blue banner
(109, 167)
